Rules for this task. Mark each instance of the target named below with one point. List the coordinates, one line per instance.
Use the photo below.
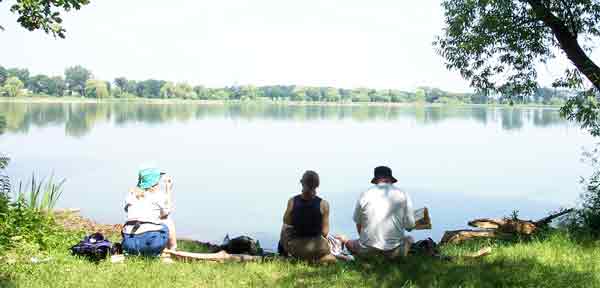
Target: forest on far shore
(79, 81)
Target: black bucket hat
(383, 172)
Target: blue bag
(94, 247)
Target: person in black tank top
(306, 223)
(307, 218)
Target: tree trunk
(568, 42)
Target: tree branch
(567, 41)
(571, 19)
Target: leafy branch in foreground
(498, 45)
(44, 14)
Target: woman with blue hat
(148, 230)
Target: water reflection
(247, 158)
(79, 118)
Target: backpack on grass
(95, 247)
(242, 245)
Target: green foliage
(121, 83)
(116, 92)
(420, 96)
(332, 94)
(314, 93)
(299, 93)
(76, 78)
(57, 86)
(149, 88)
(167, 90)
(360, 95)
(39, 84)
(22, 226)
(586, 220)
(248, 92)
(13, 87)
(129, 89)
(498, 45)
(4, 159)
(584, 109)
(2, 124)
(219, 94)
(490, 40)
(127, 95)
(45, 14)
(22, 74)
(3, 75)
(201, 92)
(40, 194)
(96, 89)
(183, 91)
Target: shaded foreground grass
(557, 261)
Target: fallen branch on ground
(500, 228)
(216, 257)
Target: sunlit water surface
(235, 166)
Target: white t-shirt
(150, 208)
(384, 212)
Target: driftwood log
(499, 228)
(212, 257)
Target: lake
(234, 166)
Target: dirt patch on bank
(75, 222)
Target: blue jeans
(149, 244)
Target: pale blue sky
(350, 43)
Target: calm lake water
(235, 166)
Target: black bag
(426, 247)
(242, 245)
(95, 247)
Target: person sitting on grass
(147, 232)
(306, 224)
(382, 214)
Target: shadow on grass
(6, 283)
(426, 272)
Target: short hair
(310, 179)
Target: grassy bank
(555, 261)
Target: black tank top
(306, 217)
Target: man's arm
(287, 216)
(357, 217)
(409, 214)
(325, 213)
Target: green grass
(556, 261)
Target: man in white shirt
(381, 215)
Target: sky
(349, 43)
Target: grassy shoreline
(69, 100)
(553, 259)
(554, 262)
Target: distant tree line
(79, 81)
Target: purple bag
(94, 247)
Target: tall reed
(4, 159)
(41, 194)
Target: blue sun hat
(148, 177)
